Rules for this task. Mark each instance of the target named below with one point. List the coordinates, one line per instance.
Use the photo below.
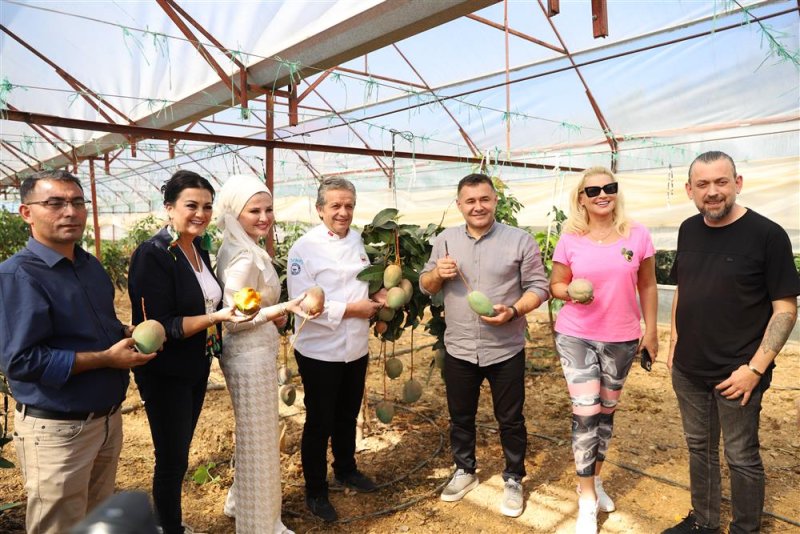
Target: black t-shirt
(727, 279)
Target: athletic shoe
(322, 508)
(587, 517)
(513, 502)
(461, 484)
(604, 502)
(357, 481)
(689, 525)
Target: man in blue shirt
(66, 357)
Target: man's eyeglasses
(58, 204)
(608, 189)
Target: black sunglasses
(608, 189)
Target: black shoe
(322, 508)
(357, 481)
(690, 525)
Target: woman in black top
(171, 281)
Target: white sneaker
(512, 503)
(461, 484)
(230, 503)
(587, 517)
(604, 502)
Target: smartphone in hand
(647, 361)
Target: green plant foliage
(15, 234)
(202, 475)
(664, 261)
(507, 204)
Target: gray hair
(710, 157)
(333, 184)
(57, 175)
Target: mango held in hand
(394, 367)
(412, 391)
(396, 298)
(480, 304)
(247, 300)
(149, 336)
(391, 276)
(385, 411)
(580, 290)
(314, 301)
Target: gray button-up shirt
(503, 264)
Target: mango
(381, 328)
(580, 290)
(385, 411)
(385, 314)
(314, 301)
(438, 358)
(412, 391)
(391, 276)
(394, 367)
(480, 304)
(407, 288)
(288, 394)
(284, 375)
(396, 298)
(149, 336)
(247, 300)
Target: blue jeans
(705, 412)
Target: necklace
(600, 239)
(209, 302)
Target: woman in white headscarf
(244, 213)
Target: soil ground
(646, 472)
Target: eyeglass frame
(58, 204)
(609, 189)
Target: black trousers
(173, 407)
(507, 383)
(333, 394)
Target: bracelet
(514, 311)
(754, 370)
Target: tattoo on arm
(778, 330)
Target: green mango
(439, 358)
(288, 394)
(391, 276)
(149, 336)
(396, 298)
(394, 367)
(407, 288)
(385, 411)
(580, 290)
(480, 304)
(284, 375)
(412, 391)
(385, 314)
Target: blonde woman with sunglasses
(598, 338)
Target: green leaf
(9, 506)
(5, 464)
(385, 216)
(373, 272)
(4, 387)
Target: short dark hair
(184, 180)
(333, 184)
(474, 179)
(710, 157)
(29, 184)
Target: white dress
(249, 364)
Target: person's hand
(649, 342)
(280, 321)
(380, 296)
(446, 268)
(294, 307)
(127, 330)
(502, 315)
(121, 355)
(741, 383)
(363, 309)
(231, 315)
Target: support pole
(95, 219)
(269, 171)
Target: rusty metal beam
(599, 18)
(380, 77)
(612, 141)
(95, 219)
(504, 27)
(142, 132)
(79, 87)
(467, 139)
(553, 8)
(17, 153)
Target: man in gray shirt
(505, 264)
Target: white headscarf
(230, 202)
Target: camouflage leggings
(595, 372)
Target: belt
(32, 411)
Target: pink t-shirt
(613, 315)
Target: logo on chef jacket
(364, 259)
(295, 266)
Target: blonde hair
(578, 220)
